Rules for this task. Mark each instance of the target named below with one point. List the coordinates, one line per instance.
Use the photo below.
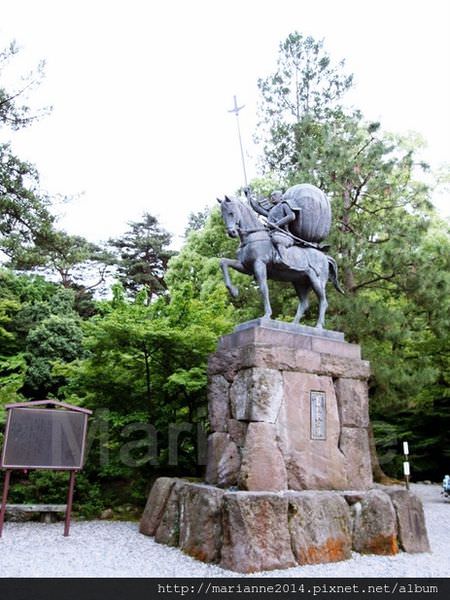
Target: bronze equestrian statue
(285, 248)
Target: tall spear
(236, 110)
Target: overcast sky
(141, 90)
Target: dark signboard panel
(37, 438)
(44, 434)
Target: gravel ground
(116, 549)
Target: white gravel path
(116, 549)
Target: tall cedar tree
(381, 213)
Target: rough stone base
(262, 379)
(257, 531)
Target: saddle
(295, 258)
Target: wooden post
(69, 502)
(4, 499)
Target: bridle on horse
(246, 232)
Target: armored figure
(278, 218)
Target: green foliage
(70, 257)
(24, 211)
(143, 256)
(305, 82)
(139, 359)
(56, 338)
(414, 390)
(144, 371)
(196, 221)
(13, 113)
(307, 87)
(27, 233)
(133, 348)
(33, 299)
(12, 378)
(196, 271)
(50, 487)
(7, 308)
(45, 329)
(392, 251)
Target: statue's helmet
(276, 196)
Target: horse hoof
(234, 292)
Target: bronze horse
(257, 256)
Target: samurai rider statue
(286, 248)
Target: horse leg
(302, 290)
(260, 272)
(319, 288)
(225, 263)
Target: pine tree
(143, 256)
(24, 210)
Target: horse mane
(247, 213)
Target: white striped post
(406, 470)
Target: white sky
(141, 90)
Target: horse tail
(333, 276)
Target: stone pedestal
(288, 409)
(289, 478)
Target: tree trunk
(349, 279)
(379, 476)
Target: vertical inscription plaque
(318, 415)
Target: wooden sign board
(43, 438)
(44, 434)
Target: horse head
(231, 215)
